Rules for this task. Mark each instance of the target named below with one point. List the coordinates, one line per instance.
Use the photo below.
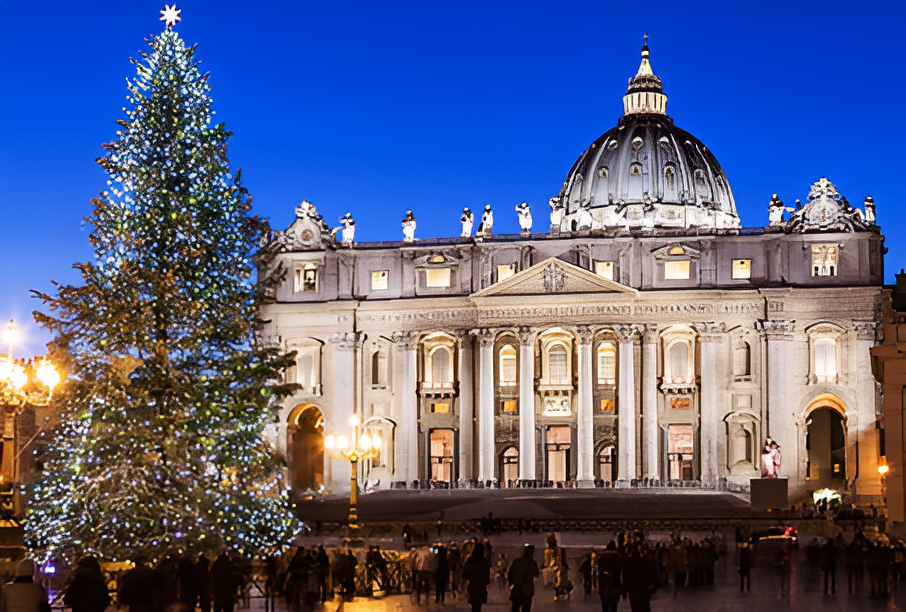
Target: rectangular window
(440, 407)
(605, 269)
(437, 277)
(307, 279)
(680, 450)
(607, 405)
(379, 280)
(825, 359)
(305, 371)
(510, 406)
(441, 441)
(742, 268)
(558, 372)
(824, 260)
(504, 271)
(676, 270)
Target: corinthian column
(650, 447)
(584, 419)
(486, 455)
(626, 413)
(406, 448)
(781, 420)
(343, 401)
(526, 404)
(712, 408)
(466, 405)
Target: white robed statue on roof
(525, 218)
(468, 219)
(348, 224)
(409, 227)
(487, 222)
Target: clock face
(307, 234)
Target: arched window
(441, 372)
(507, 366)
(607, 363)
(558, 373)
(825, 359)
(742, 359)
(679, 361)
(671, 193)
(385, 429)
(509, 467)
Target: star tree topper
(170, 15)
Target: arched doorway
(607, 464)
(825, 445)
(509, 467)
(306, 433)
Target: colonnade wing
(553, 276)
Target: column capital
(711, 331)
(627, 333)
(345, 341)
(649, 332)
(585, 334)
(525, 335)
(865, 330)
(405, 340)
(776, 329)
(485, 335)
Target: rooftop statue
(348, 229)
(556, 213)
(775, 211)
(409, 227)
(525, 218)
(869, 210)
(486, 227)
(468, 219)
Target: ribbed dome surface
(648, 160)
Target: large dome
(646, 172)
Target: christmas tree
(161, 439)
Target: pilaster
(407, 444)
(712, 400)
(626, 409)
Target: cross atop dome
(645, 95)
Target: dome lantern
(645, 95)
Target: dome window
(663, 140)
(612, 145)
(635, 170)
(603, 172)
(637, 143)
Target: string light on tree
(161, 437)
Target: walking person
(23, 594)
(88, 590)
(225, 585)
(610, 578)
(521, 579)
(323, 573)
(477, 572)
(441, 574)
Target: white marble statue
(525, 218)
(585, 219)
(869, 209)
(409, 227)
(486, 227)
(775, 211)
(348, 229)
(556, 212)
(468, 219)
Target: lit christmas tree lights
(161, 440)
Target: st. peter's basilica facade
(645, 339)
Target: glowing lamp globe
(883, 469)
(48, 375)
(18, 377)
(365, 442)
(330, 443)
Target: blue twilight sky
(376, 107)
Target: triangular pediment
(553, 276)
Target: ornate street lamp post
(21, 383)
(363, 447)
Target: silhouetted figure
(88, 590)
(639, 580)
(829, 566)
(441, 574)
(855, 565)
(610, 578)
(297, 579)
(521, 579)
(477, 571)
(225, 583)
(323, 562)
(203, 577)
(376, 568)
(187, 584)
(22, 594)
(744, 566)
(139, 588)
